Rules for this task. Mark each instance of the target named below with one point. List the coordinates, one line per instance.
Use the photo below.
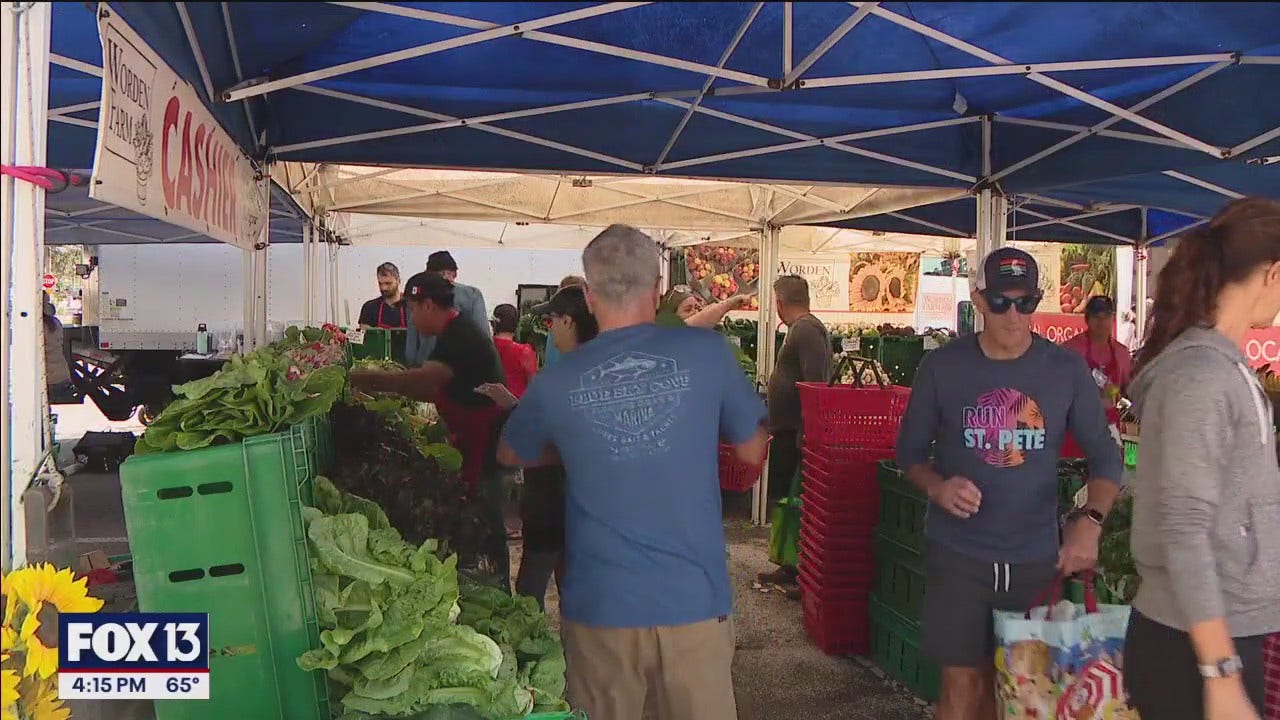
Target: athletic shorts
(960, 595)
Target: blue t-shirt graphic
(637, 415)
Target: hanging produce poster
(883, 282)
(1086, 271)
(826, 278)
(718, 272)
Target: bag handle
(1051, 595)
(859, 365)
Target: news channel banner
(133, 656)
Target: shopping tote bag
(784, 528)
(1062, 661)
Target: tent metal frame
(792, 78)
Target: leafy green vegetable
(255, 394)
(393, 640)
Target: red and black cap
(1006, 269)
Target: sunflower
(46, 705)
(43, 591)
(9, 690)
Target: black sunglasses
(1001, 304)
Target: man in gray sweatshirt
(467, 299)
(981, 437)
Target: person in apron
(1110, 363)
(387, 311)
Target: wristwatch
(1223, 668)
(1094, 516)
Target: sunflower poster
(883, 282)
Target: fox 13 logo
(115, 656)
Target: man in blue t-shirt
(636, 416)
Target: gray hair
(792, 290)
(620, 263)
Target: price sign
(930, 342)
(734, 340)
(355, 336)
(851, 344)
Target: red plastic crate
(837, 626)
(736, 475)
(1271, 670)
(837, 570)
(852, 416)
(860, 510)
(840, 460)
(844, 535)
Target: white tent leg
(246, 299)
(1141, 268)
(993, 224)
(25, 108)
(260, 294)
(766, 337)
(307, 282)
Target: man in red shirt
(519, 360)
(1110, 362)
(462, 359)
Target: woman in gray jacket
(1206, 518)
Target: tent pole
(766, 342)
(1055, 84)
(1088, 132)
(241, 93)
(1014, 69)
(25, 108)
(1141, 264)
(306, 274)
(1205, 184)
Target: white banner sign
(828, 279)
(163, 154)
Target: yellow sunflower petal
(8, 687)
(47, 706)
(8, 639)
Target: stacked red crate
(847, 431)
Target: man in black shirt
(386, 311)
(463, 359)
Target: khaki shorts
(686, 670)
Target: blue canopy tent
(890, 93)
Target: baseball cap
(429, 286)
(1099, 305)
(441, 260)
(1006, 269)
(570, 301)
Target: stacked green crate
(220, 531)
(374, 345)
(899, 356)
(898, 595)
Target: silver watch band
(1223, 668)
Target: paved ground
(778, 672)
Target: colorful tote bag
(1063, 661)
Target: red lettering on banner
(1057, 327)
(202, 186)
(171, 111)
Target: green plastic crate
(902, 508)
(900, 357)
(376, 345)
(220, 530)
(895, 648)
(899, 577)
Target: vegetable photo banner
(1085, 271)
(718, 272)
(883, 282)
